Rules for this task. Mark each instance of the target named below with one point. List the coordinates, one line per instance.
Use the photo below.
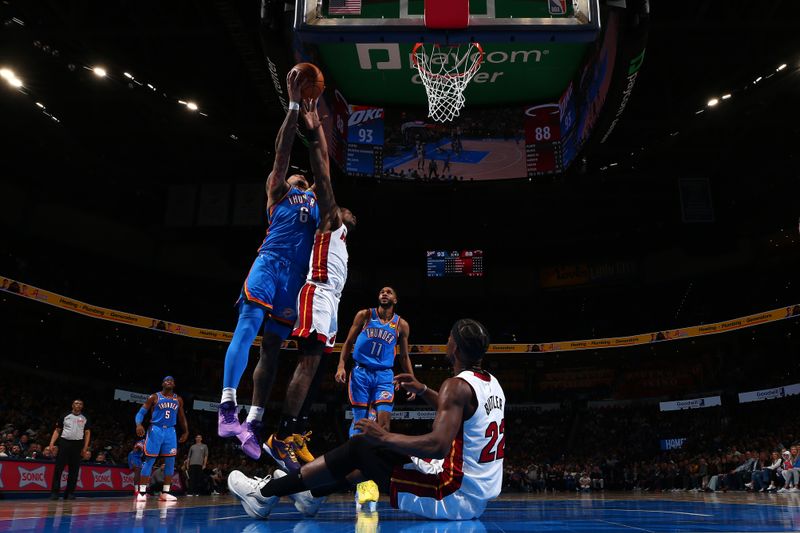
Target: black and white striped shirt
(72, 426)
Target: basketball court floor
(605, 512)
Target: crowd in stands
(572, 448)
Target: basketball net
(446, 70)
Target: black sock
(289, 484)
(286, 426)
(330, 489)
(301, 425)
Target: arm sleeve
(140, 415)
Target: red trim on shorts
(305, 311)
(436, 486)
(319, 264)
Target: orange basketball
(315, 81)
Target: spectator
(789, 473)
(3, 450)
(585, 482)
(197, 461)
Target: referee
(73, 432)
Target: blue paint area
(569, 515)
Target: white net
(446, 70)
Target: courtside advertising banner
(129, 396)
(769, 394)
(697, 403)
(672, 444)
(35, 476)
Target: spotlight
(15, 82)
(39, 104)
(127, 75)
(100, 72)
(7, 74)
(713, 102)
(780, 68)
(726, 96)
(192, 106)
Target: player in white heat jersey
(465, 449)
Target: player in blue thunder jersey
(273, 283)
(166, 410)
(375, 333)
(135, 461)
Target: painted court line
(662, 512)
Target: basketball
(315, 80)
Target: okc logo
(385, 395)
(173, 451)
(287, 312)
(32, 477)
(65, 476)
(103, 478)
(127, 479)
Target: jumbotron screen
(455, 263)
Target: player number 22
(488, 454)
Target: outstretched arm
(320, 166)
(454, 398)
(358, 324)
(276, 182)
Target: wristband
(423, 391)
(294, 106)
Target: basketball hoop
(445, 70)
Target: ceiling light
(40, 104)
(726, 96)
(127, 75)
(713, 102)
(758, 79)
(100, 72)
(7, 74)
(15, 82)
(780, 68)
(192, 106)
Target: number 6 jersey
(460, 486)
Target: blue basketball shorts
(160, 441)
(371, 387)
(274, 283)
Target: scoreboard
(455, 264)
(543, 140)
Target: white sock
(142, 489)
(228, 395)
(166, 488)
(256, 413)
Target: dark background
(132, 202)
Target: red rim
(473, 68)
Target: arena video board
(455, 263)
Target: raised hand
(294, 86)
(309, 113)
